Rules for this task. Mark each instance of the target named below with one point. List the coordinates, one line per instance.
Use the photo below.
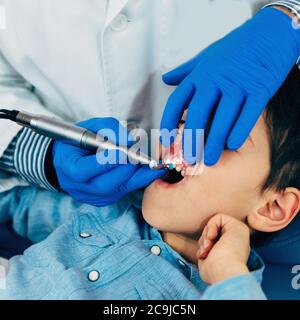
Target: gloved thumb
(177, 75)
(144, 177)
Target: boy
(191, 240)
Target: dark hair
(282, 117)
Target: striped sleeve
(7, 159)
(292, 5)
(26, 156)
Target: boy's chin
(149, 219)
(151, 216)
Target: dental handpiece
(77, 136)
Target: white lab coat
(95, 58)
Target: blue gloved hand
(235, 77)
(81, 175)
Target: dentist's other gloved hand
(81, 175)
(235, 77)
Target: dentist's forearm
(26, 156)
(290, 7)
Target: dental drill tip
(160, 166)
(153, 165)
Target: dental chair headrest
(284, 247)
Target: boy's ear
(277, 213)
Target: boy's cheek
(188, 208)
(182, 217)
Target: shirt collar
(173, 256)
(191, 271)
(113, 9)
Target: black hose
(5, 111)
(5, 116)
(8, 114)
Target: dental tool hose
(75, 135)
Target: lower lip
(167, 185)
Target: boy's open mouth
(173, 176)
(174, 155)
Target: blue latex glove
(80, 174)
(236, 76)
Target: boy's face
(232, 187)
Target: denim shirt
(84, 252)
